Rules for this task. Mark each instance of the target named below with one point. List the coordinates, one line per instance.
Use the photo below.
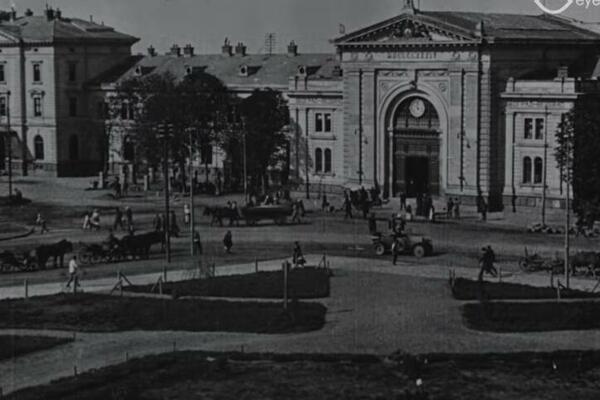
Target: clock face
(417, 108)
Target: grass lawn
(532, 317)
(193, 375)
(14, 346)
(304, 283)
(101, 313)
(466, 289)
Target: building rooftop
(53, 27)
(233, 70)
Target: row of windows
(323, 161)
(533, 170)
(37, 106)
(37, 72)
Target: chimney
(175, 51)
(151, 51)
(292, 49)
(240, 49)
(49, 13)
(29, 13)
(562, 72)
(58, 13)
(227, 49)
(188, 50)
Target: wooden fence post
(165, 274)
(558, 290)
(26, 284)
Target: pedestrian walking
(456, 208)
(129, 218)
(95, 220)
(73, 272)
(402, 201)
(297, 257)
(174, 228)
(38, 219)
(118, 223)
(117, 187)
(86, 221)
(228, 242)
(186, 214)
(157, 222)
(372, 224)
(197, 243)
(44, 227)
(482, 207)
(449, 208)
(486, 263)
(324, 203)
(296, 213)
(397, 249)
(347, 207)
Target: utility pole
(192, 230)
(164, 132)
(243, 127)
(545, 178)
(307, 169)
(9, 134)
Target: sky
(311, 23)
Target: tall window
(72, 67)
(124, 111)
(539, 128)
(37, 106)
(73, 148)
(318, 160)
(129, 150)
(528, 128)
(37, 72)
(2, 73)
(327, 161)
(3, 106)
(327, 122)
(538, 170)
(38, 147)
(72, 106)
(527, 170)
(318, 122)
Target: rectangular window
(2, 75)
(37, 72)
(37, 106)
(3, 108)
(72, 72)
(124, 111)
(539, 128)
(327, 122)
(318, 122)
(72, 106)
(528, 128)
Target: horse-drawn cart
(10, 262)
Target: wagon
(90, 254)
(278, 213)
(10, 262)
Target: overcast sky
(205, 23)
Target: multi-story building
(450, 103)
(45, 62)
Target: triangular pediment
(407, 28)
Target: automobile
(417, 245)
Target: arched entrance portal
(416, 148)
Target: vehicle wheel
(379, 249)
(419, 251)
(524, 265)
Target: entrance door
(417, 176)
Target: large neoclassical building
(448, 103)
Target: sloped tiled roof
(265, 70)
(496, 26)
(36, 29)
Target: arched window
(74, 148)
(327, 160)
(527, 170)
(38, 147)
(318, 160)
(538, 170)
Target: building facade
(456, 104)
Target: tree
(265, 116)
(578, 140)
(198, 102)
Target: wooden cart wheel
(380, 249)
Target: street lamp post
(9, 146)
(191, 138)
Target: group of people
(362, 199)
(123, 220)
(91, 220)
(453, 208)
(160, 223)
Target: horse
(140, 245)
(218, 213)
(587, 259)
(56, 251)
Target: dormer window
(244, 70)
(302, 70)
